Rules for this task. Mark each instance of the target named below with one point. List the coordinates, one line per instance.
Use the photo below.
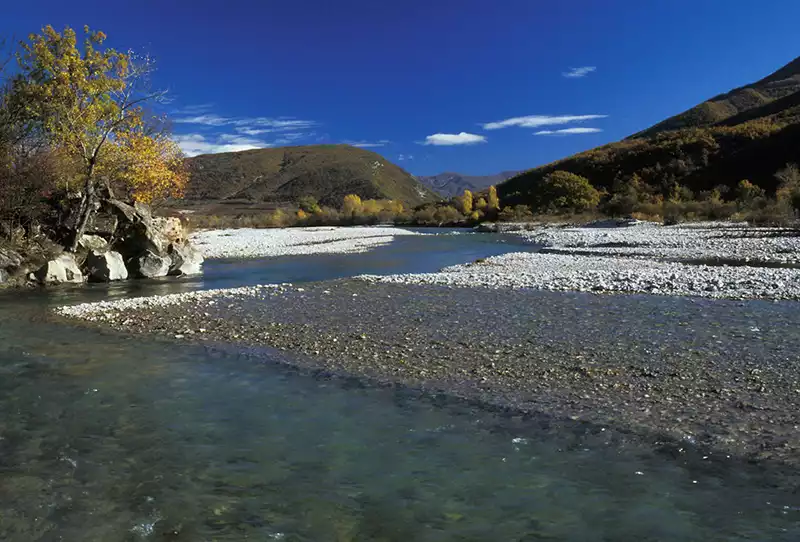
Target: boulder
(105, 266)
(152, 265)
(93, 242)
(59, 270)
(3, 276)
(138, 231)
(185, 260)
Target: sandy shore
(721, 374)
(262, 243)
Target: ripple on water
(104, 437)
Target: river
(105, 437)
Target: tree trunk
(84, 211)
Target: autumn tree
(466, 203)
(493, 202)
(87, 103)
(351, 204)
(481, 204)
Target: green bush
(562, 191)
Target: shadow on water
(106, 437)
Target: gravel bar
(601, 274)
(260, 243)
(722, 374)
(721, 241)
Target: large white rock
(60, 270)
(186, 260)
(153, 266)
(105, 266)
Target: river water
(105, 437)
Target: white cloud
(272, 124)
(403, 157)
(462, 138)
(535, 121)
(367, 144)
(209, 119)
(248, 125)
(569, 131)
(583, 71)
(194, 144)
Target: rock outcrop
(150, 247)
(121, 241)
(105, 266)
(62, 269)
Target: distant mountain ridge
(748, 133)
(450, 184)
(285, 174)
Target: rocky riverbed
(261, 243)
(705, 241)
(717, 373)
(718, 260)
(603, 274)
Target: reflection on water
(104, 437)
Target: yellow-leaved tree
(351, 204)
(466, 203)
(494, 201)
(87, 103)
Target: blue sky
(470, 86)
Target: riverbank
(708, 241)
(263, 243)
(716, 260)
(719, 374)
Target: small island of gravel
(716, 372)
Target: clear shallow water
(104, 437)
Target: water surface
(105, 437)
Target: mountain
(454, 184)
(748, 133)
(285, 174)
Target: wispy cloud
(251, 126)
(195, 109)
(535, 121)
(569, 131)
(462, 138)
(195, 144)
(367, 144)
(575, 73)
(404, 157)
(208, 119)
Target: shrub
(562, 191)
(747, 194)
(309, 205)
